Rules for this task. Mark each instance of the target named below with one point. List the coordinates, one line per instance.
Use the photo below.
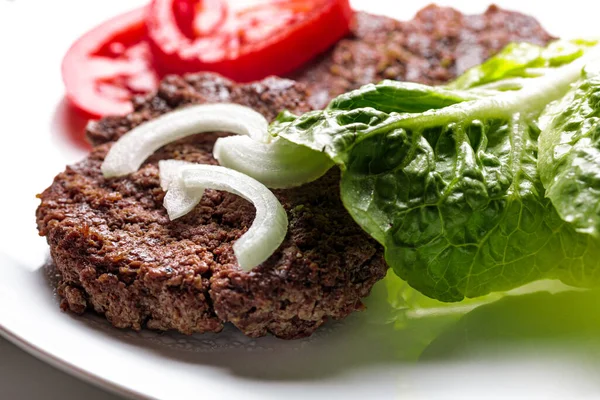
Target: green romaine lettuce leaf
(522, 60)
(393, 96)
(569, 161)
(450, 186)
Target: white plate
(537, 347)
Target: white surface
(17, 369)
(363, 358)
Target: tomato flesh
(109, 64)
(244, 39)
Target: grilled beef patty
(119, 254)
(437, 45)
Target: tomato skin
(106, 66)
(177, 51)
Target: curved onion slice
(270, 223)
(178, 200)
(279, 164)
(132, 149)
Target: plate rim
(69, 368)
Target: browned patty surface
(119, 254)
(432, 48)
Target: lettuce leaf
(394, 96)
(521, 60)
(569, 161)
(447, 178)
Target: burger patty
(437, 45)
(120, 255)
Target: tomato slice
(243, 39)
(109, 64)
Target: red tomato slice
(244, 39)
(109, 64)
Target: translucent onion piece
(279, 164)
(270, 223)
(178, 200)
(169, 171)
(132, 149)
